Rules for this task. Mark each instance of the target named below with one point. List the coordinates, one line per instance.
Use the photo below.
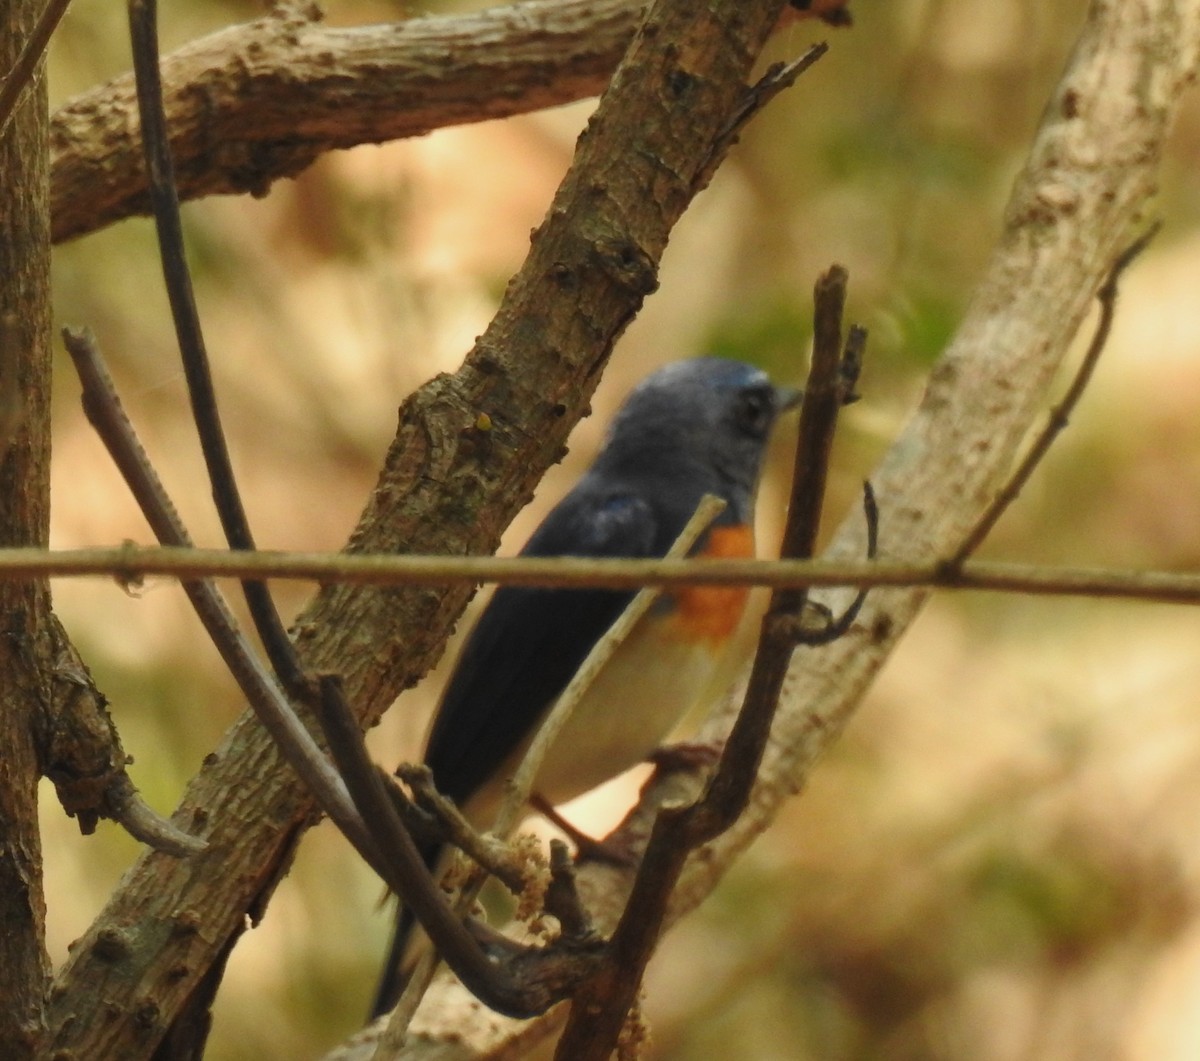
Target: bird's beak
(787, 398)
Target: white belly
(641, 694)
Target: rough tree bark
(261, 101)
(24, 512)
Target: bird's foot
(686, 756)
(586, 847)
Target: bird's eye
(754, 412)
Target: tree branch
(131, 565)
(143, 34)
(26, 64)
(257, 102)
(28, 635)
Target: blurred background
(1000, 859)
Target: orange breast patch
(711, 613)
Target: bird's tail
(403, 951)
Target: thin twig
(840, 626)
(133, 564)
(1060, 415)
(825, 394)
(143, 32)
(779, 76)
(104, 412)
(395, 1033)
(23, 69)
(485, 849)
(124, 805)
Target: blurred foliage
(998, 862)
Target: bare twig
(562, 895)
(130, 564)
(143, 32)
(604, 1004)
(778, 77)
(826, 392)
(106, 415)
(837, 627)
(1060, 415)
(489, 851)
(124, 805)
(23, 69)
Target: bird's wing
(529, 642)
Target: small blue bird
(692, 428)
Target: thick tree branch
(449, 485)
(27, 637)
(261, 101)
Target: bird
(694, 427)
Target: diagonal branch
(261, 101)
(257, 102)
(1061, 413)
(22, 72)
(143, 33)
(278, 716)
